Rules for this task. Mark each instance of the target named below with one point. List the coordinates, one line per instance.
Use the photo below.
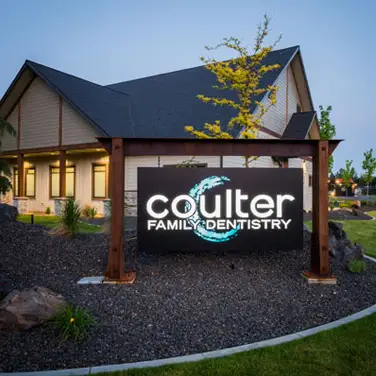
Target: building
(58, 116)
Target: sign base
(128, 278)
(319, 279)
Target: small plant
(48, 210)
(86, 210)
(363, 202)
(70, 216)
(333, 203)
(72, 322)
(92, 212)
(356, 266)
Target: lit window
(99, 181)
(15, 182)
(55, 181)
(30, 182)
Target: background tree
(348, 174)
(327, 131)
(5, 172)
(242, 75)
(369, 167)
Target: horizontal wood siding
(76, 129)
(9, 142)
(275, 118)
(39, 116)
(293, 96)
(211, 161)
(131, 165)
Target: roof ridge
(187, 69)
(36, 65)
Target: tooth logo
(198, 190)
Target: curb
(206, 355)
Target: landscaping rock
(339, 245)
(8, 213)
(22, 310)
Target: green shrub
(70, 215)
(363, 202)
(356, 266)
(333, 203)
(86, 210)
(92, 212)
(48, 210)
(72, 322)
(345, 205)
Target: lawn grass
(51, 221)
(362, 232)
(347, 350)
(372, 213)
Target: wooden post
(109, 176)
(21, 176)
(320, 271)
(62, 174)
(115, 272)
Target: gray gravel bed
(180, 303)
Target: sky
(108, 41)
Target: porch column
(21, 175)
(115, 272)
(320, 270)
(20, 201)
(62, 174)
(59, 202)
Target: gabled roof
(107, 110)
(299, 125)
(162, 105)
(158, 106)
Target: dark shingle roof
(162, 105)
(157, 106)
(299, 125)
(106, 109)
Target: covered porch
(44, 178)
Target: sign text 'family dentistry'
(199, 209)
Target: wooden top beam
(226, 147)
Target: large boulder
(8, 213)
(22, 310)
(339, 245)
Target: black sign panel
(224, 209)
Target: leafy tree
(5, 172)
(348, 174)
(369, 167)
(339, 173)
(327, 131)
(242, 75)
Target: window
(30, 182)
(55, 181)
(298, 108)
(99, 188)
(15, 181)
(310, 180)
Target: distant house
(58, 117)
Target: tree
(348, 174)
(5, 172)
(327, 131)
(242, 75)
(369, 167)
